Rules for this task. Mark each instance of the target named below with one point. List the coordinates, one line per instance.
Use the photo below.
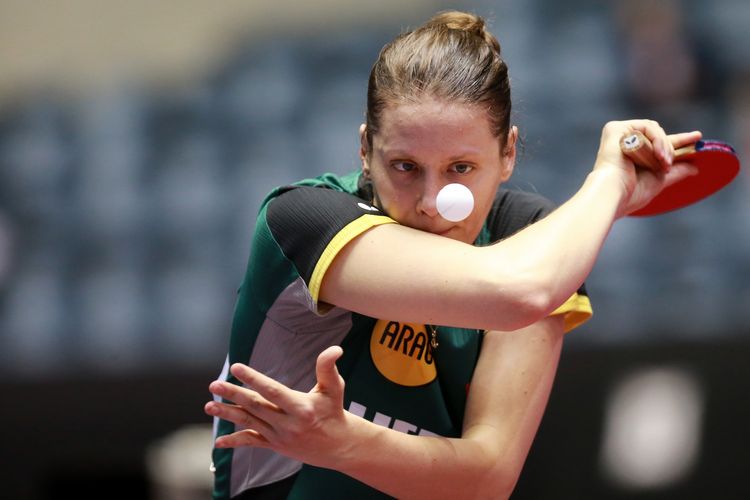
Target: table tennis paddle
(717, 164)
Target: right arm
(397, 272)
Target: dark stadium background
(137, 140)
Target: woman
(363, 268)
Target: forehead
(434, 123)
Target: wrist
(607, 185)
(354, 434)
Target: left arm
(508, 395)
(507, 398)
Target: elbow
(537, 304)
(496, 474)
(497, 490)
(529, 303)
(500, 479)
(495, 485)
(516, 296)
(513, 296)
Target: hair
(453, 57)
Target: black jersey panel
(305, 220)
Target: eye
(462, 168)
(404, 166)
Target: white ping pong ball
(455, 202)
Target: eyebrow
(400, 153)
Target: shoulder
(324, 196)
(532, 205)
(513, 210)
(314, 206)
(309, 223)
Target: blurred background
(138, 138)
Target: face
(423, 146)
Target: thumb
(327, 372)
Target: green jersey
(394, 377)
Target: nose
(427, 203)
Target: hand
(309, 427)
(642, 184)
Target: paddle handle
(639, 149)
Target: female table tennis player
(392, 352)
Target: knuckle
(252, 403)
(273, 393)
(307, 414)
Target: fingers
(685, 138)
(250, 400)
(237, 415)
(268, 404)
(640, 150)
(300, 425)
(642, 184)
(280, 395)
(678, 172)
(662, 147)
(326, 371)
(252, 413)
(246, 437)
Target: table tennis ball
(455, 202)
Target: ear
(508, 154)
(364, 149)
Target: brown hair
(452, 56)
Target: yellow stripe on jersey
(347, 234)
(577, 310)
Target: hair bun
(464, 21)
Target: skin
(388, 271)
(411, 160)
(421, 147)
